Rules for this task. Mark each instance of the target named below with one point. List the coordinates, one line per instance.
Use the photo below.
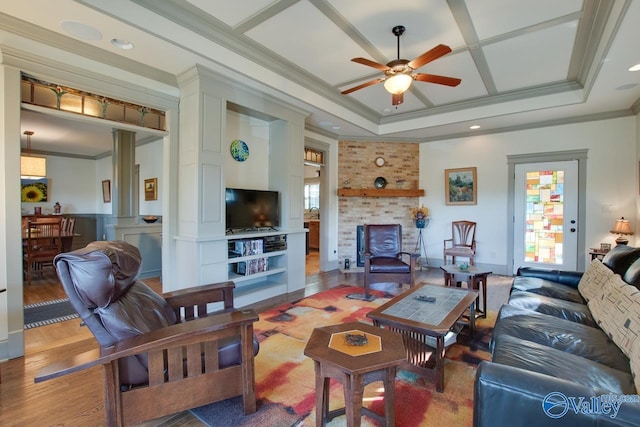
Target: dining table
(67, 238)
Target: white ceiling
(522, 63)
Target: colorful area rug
(47, 313)
(285, 378)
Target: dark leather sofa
(552, 361)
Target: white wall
(77, 183)
(253, 173)
(149, 157)
(70, 183)
(612, 183)
(104, 170)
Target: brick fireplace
(356, 165)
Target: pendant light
(32, 167)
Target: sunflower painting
(34, 190)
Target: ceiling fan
(398, 74)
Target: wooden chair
(169, 357)
(43, 243)
(462, 243)
(68, 226)
(383, 257)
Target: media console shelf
(379, 192)
(258, 262)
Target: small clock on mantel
(380, 161)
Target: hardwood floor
(312, 262)
(77, 399)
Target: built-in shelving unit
(379, 192)
(258, 263)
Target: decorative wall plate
(380, 182)
(380, 161)
(239, 150)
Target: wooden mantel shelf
(379, 192)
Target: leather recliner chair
(151, 346)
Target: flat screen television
(251, 209)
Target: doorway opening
(518, 203)
(313, 183)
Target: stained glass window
(544, 217)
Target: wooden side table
(477, 279)
(354, 367)
(597, 253)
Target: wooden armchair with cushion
(383, 256)
(462, 242)
(159, 355)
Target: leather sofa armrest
(509, 396)
(569, 278)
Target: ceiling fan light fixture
(398, 84)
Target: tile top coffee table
(354, 366)
(476, 280)
(421, 314)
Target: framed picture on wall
(461, 186)
(106, 191)
(151, 189)
(34, 190)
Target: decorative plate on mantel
(380, 182)
(239, 150)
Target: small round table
(354, 366)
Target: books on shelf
(252, 266)
(248, 247)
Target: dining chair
(68, 226)
(43, 243)
(462, 242)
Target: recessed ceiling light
(122, 44)
(635, 67)
(80, 30)
(474, 127)
(335, 127)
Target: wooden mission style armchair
(383, 257)
(159, 355)
(462, 242)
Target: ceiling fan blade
(441, 80)
(397, 99)
(429, 56)
(362, 86)
(370, 63)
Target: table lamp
(622, 229)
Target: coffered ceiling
(522, 63)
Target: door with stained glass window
(546, 215)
